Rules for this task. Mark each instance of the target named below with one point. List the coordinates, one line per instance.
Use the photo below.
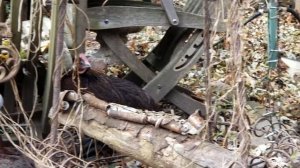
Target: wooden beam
(15, 6)
(80, 26)
(110, 17)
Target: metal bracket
(170, 11)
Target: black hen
(108, 88)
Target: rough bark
(155, 147)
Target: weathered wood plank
(110, 17)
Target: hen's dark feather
(111, 89)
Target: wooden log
(154, 146)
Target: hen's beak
(84, 62)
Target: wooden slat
(109, 17)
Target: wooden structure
(172, 58)
(158, 74)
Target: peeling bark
(155, 147)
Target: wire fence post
(272, 33)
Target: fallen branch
(168, 121)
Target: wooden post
(297, 5)
(57, 71)
(2, 11)
(29, 91)
(9, 97)
(47, 97)
(80, 26)
(15, 5)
